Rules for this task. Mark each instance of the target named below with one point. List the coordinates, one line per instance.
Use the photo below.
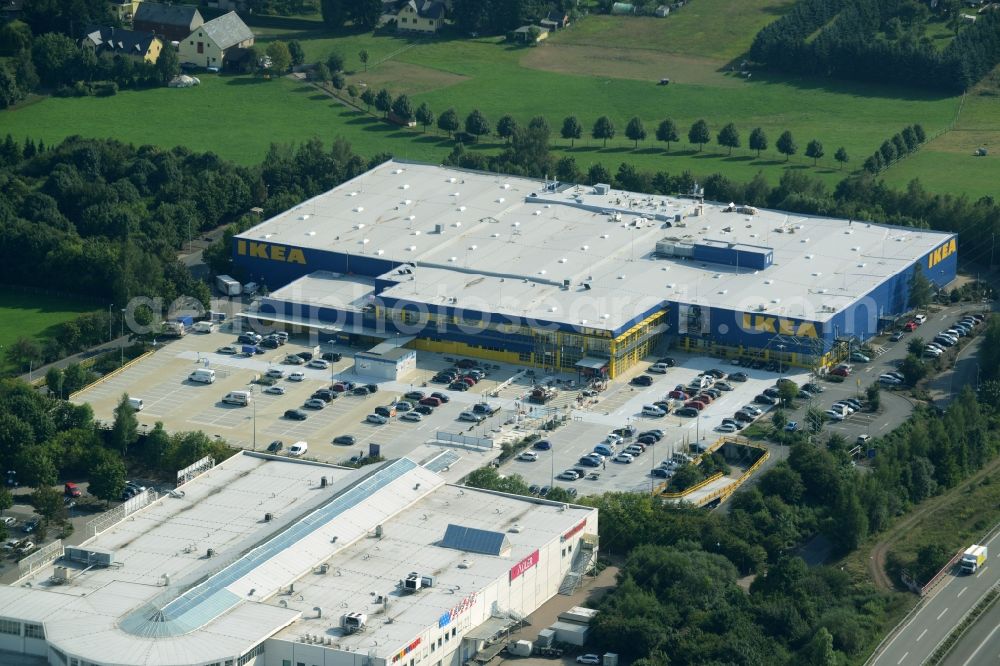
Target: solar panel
(474, 540)
(206, 601)
(442, 460)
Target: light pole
(781, 355)
(122, 334)
(253, 404)
(552, 466)
(110, 334)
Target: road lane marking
(942, 613)
(982, 571)
(921, 634)
(962, 592)
(902, 658)
(980, 646)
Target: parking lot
(161, 381)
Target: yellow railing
(697, 486)
(111, 374)
(726, 491)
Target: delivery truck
(973, 558)
(227, 285)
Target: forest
(882, 41)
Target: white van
(203, 327)
(298, 449)
(136, 404)
(203, 375)
(652, 410)
(241, 398)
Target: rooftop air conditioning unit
(353, 622)
(412, 582)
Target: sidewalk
(39, 372)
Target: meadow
(32, 315)
(602, 66)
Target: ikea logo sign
(267, 251)
(764, 324)
(942, 253)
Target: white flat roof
(458, 226)
(225, 604)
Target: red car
(71, 490)
(705, 398)
(841, 371)
(696, 404)
(910, 326)
(678, 395)
(431, 401)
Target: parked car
(293, 359)
(667, 361)
(686, 412)
(314, 403)
(763, 399)
(333, 357)
(412, 416)
(296, 415)
(834, 415)
(345, 440)
(403, 406)
(658, 368)
(443, 397)
(471, 416)
(542, 445)
(642, 380)
(377, 419)
(426, 410)
(897, 336)
(326, 395)
(275, 390)
(319, 364)
(527, 456)
(228, 349)
(792, 426)
(859, 357)
(919, 319)
(275, 446)
(910, 326)
(738, 377)
(30, 525)
(725, 428)
(296, 376)
(623, 458)
(361, 391)
(275, 373)
(416, 396)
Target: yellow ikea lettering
(942, 253)
(765, 324)
(272, 252)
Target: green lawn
(238, 117)
(24, 314)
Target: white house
(214, 43)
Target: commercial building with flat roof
(267, 561)
(553, 274)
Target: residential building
(217, 42)
(118, 41)
(124, 10)
(171, 22)
(426, 16)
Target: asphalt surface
(942, 610)
(981, 643)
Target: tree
(888, 152)
(921, 291)
(666, 132)
(786, 145)
(729, 136)
(55, 56)
(787, 391)
(505, 127)
(541, 124)
(603, 129)
(402, 108)
(363, 57)
(383, 102)
(758, 140)
(815, 420)
(322, 73)
(49, 504)
(635, 131)
(15, 37)
(334, 13)
(918, 130)
(910, 139)
(915, 346)
(779, 419)
(699, 134)
(297, 53)
(424, 115)
(107, 479)
(448, 121)
(476, 124)
(598, 174)
(873, 394)
(54, 381)
(841, 156)
(365, 13)
(819, 650)
(168, 64)
(368, 97)
(571, 129)
(6, 499)
(335, 62)
(913, 369)
(567, 171)
(814, 149)
(10, 92)
(24, 353)
(125, 430)
(281, 58)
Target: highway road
(981, 643)
(945, 606)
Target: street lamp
(781, 355)
(552, 466)
(122, 334)
(253, 404)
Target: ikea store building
(578, 278)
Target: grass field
(573, 73)
(31, 315)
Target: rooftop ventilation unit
(601, 188)
(90, 556)
(353, 622)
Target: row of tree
(880, 40)
(892, 150)
(362, 13)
